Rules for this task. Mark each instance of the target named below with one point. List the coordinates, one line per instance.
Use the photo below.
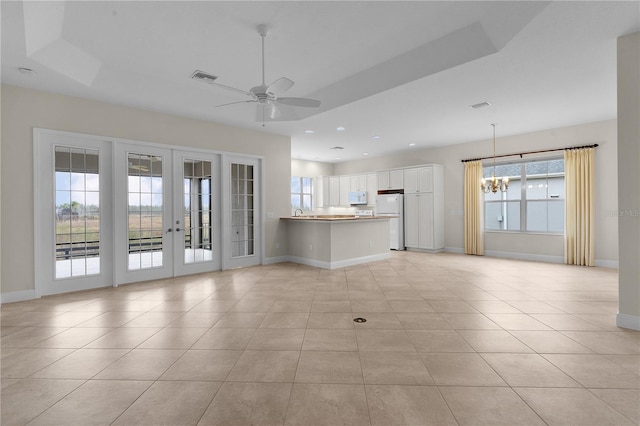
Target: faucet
(295, 214)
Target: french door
(73, 245)
(110, 212)
(242, 227)
(167, 212)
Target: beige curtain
(579, 207)
(473, 236)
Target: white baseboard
(525, 256)
(275, 259)
(454, 250)
(17, 296)
(534, 257)
(607, 263)
(340, 263)
(628, 321)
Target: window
(534, 201)
(301, 192)
(77, 219)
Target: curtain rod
(595, 145)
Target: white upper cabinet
(418, 179)
(334, 191)
(390, 179)
(345, 187)
(358, 183)
(372, 188)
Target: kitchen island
(336, 241)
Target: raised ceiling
(406, 72)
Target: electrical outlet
(310, 247)
(277, 245)
(370, 244)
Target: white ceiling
(405, 71)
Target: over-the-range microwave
(358, 197)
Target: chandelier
(494, 183)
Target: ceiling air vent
(480, 105)
(203, 76)
(337, 147)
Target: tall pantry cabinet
(424, 207)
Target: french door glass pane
(77, 200)
(242, 210)
(144, 188)
(197, 211)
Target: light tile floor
(449, 339)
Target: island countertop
(334, 217)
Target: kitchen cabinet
(345, 187)
(418, 179)
(358, 183)
(325, 191)
(372, 188)
(418, 220)
(334, 191)
(390, 179)
(424, 208)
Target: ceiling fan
(266, 96)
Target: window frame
(523, 197)
(301, 193)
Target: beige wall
(310, 168)
(23, 110)
(603, 133)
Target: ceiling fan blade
(233, 89)
(280, 85)
(267, 112)
(301, 102)
(237, 102)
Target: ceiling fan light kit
(264, 96)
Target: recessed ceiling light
(375, 137)
(365, 153)
(309, 131)
(27, 71)
(412, 144)
(340, 129)
(480, 105)
(338, 158)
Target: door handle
(178, 229)
(169, 230)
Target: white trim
(146, 143)
(18, 296)
(602, 263)
(275, 259)
(339, 263)
(628, 321)
(454, 250)
(525, 256)
(423, 250)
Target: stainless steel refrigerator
(393, 205)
